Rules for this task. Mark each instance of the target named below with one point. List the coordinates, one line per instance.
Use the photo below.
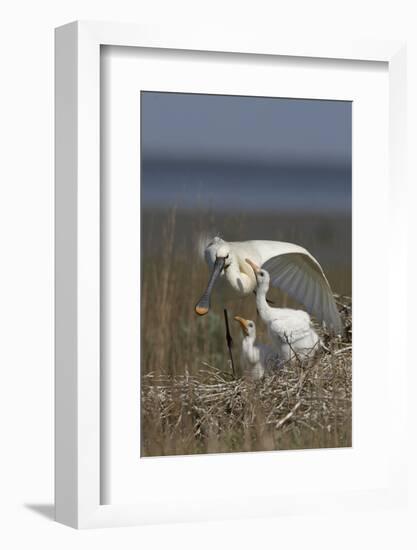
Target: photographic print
(246, 330)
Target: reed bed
(190, 401)
(302, 405)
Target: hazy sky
(231, 151)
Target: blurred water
(246, 185)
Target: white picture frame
(78, 410)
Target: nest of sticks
(300, 406)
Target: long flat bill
(203, 305)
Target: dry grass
(190, 402)
(299, 407)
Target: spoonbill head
(262, 276)
(247, 326)
(224, 261)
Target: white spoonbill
(290, 330)
(257, 359)
(292, 269)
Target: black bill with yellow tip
(203, 305)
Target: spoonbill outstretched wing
(291, 267)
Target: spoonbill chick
(256, 359)
(292, 269)
(290, 330)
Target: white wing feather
(302, 278)
(293, 330)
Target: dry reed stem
(241, 414)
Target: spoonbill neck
(249, 340)
(261, 304)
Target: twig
(288, 416)
(229, 341)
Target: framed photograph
(224, 304)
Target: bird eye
(251, 325)
(261, 274)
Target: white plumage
(290, 330)
(256, 359)
(291, 268)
